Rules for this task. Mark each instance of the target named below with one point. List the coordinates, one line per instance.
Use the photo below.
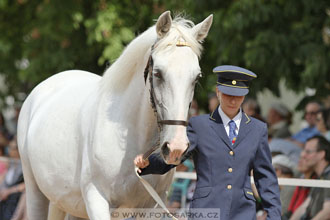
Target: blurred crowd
(12, 187)
(304, 154)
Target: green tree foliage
(277, 39)
(41, 38)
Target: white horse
(78, 133)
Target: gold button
(229, 187)
(234, 82)
(231, 153)
(230, 170)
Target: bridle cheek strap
(148, 72)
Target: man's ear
(321, 155)
(217, 91)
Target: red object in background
(298, 197)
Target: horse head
(173, 71)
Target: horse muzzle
(173, 153)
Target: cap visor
(232, 90)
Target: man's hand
(140, 162)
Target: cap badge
(234, 82)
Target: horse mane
(119, 75)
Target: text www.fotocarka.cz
(157, 213)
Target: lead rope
(154, 194)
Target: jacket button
(231, 153)
(230, 170)
(228, 186)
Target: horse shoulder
(51, 115)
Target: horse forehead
(181, 59)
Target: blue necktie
(232, 133)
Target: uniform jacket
(223, 169)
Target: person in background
(284, 168)
(311, 110)
(12, 185)
(286, 147)
(174, 200)
(213, 101)
(4, 136)
(194, 109)
(21, 212)
(301, 193)
(12, 122)
(317, 205)
(252, 108)
(279, 119)
(323, 123)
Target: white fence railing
(281, 181)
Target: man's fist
(140, 163)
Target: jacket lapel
(217, 125)
(244, 129)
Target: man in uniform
(225, 146)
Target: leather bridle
(155, 102)
(160, 122)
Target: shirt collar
(225, 119)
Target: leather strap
(150, 151)
(174, 122)
(154, 194)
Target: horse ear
(202, 29)
(163, 24)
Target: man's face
(310, 155)
(230, 104)
(248, 109)
(303, 166)
(311, 112)
(273, 117)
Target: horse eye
(158, 74)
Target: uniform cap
(233, 80)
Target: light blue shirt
(225, 119)
(306, 133)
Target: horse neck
(141, 116)
(120, 74)
(131, 100)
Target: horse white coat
(78, 133)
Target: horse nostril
(188, 144)
(165, 149)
